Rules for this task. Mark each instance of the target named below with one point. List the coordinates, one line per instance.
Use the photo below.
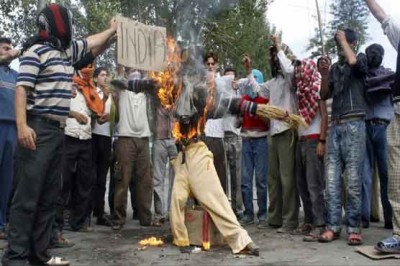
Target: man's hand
(74, 91)
(323, 66)
(14, 53)
(113, 24)
(81, 118)
(276, 41)
(320, 149)
(103, 119)
(27, 137)
(247, 64)
(340, 37)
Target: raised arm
(349, 54)
(9, 56)
(100, 40)
(323, 68)
(376, 10)
(285, 63)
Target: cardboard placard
(194, 225)
(141, 46)
(372, 253)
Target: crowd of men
(56, 150)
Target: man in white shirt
(77, 173)
(214, 130)
(233, 150)
(101, 146)
(284, 201)
(133, 152)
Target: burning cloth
(199, 177)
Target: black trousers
(78, 180)
(101, 147)
(38, 185)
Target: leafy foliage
(351, 14)
(239, 31)
(230, 28)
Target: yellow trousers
(199, 177)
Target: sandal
(389, 245)
(354, 239)
(57, 261)
(328, 236)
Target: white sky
(297, 20)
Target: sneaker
(263, 224)
(246, 220)
(390, 245)
(57, 261)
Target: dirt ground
(106, 247)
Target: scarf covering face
(84, 81)
(308, 81)
(55, 28)
(375, 54)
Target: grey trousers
(233, 149)
(163, 151)
(283, 196)
(216, 146)
(310, 181)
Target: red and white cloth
(308, 81)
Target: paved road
(105, 247)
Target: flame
(151, 241)
(171, 87)
(167, 79)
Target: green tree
(231, 28)
(240, 30)
(351, 14)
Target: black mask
(375, 53)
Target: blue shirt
(8, 78)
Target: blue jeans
(376, 153)
(346, 147)
(255, 160)
(8, 142)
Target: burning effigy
(192, 93)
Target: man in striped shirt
(43, 93)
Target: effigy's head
(192, 99)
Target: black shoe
(388, 225)
(103, 221)
(365, 224)
(374, 219)
(252, 249)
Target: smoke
(191, 19)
